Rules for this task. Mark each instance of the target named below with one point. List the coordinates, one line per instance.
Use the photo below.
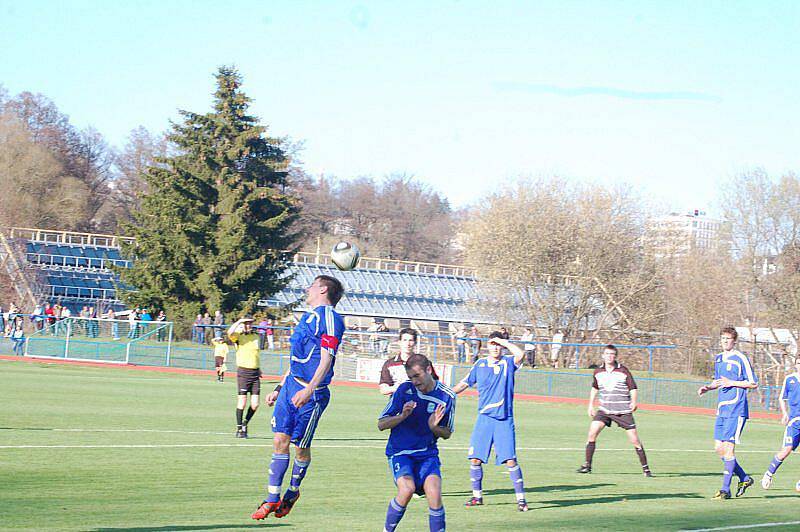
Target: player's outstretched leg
(515, 473)
(293, 493)
(397, 506)
(587, 464)
(277, 469)
(476, 478)
(777, 461)
(727, 474)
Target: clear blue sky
(671, 97)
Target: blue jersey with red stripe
(321, 328)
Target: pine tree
(214, 228)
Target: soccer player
(302, 396)
(393, 372)
(419, 412)
(618, 394)
(248, 371)
(790, 410)
(494, 377)
(733, 376)
(220, 355)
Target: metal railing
(69, 261)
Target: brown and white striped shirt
(614, 388)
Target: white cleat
(766, 481)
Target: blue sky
(670, 97)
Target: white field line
(742, 527)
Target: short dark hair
(334, 286)
(731, 331)
(420, 361)
(611, 347)
(407, 330)
(496, 334)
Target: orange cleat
(265, 509)
(286, 507)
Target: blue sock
(516, 481)
(727, 474)
(277, 469)
(393, 515)
(476, 476)
(774, 465)
(436, 519)
(739, 472)
(298, 474)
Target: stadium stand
(77, 269)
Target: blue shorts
(729, 428)
(791, 436)
(418, 469)
(489, 431)
(299, 423)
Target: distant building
(678, 234)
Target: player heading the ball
(494, 377)
(302, 395)
(419, 412)
(733, 376)
(790, 416)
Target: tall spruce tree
(213, 230)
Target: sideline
(352, 384)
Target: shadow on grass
(231, 526)
(561, 503)
(534, 489)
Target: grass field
(84, 448)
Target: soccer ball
(797, 486)
(345, 256)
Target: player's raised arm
(233, 330)
(515, 350)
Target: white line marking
(741, 527)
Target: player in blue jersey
(790, 416)
(302, 395)
(733, 376)
(494, 377)
(419, 412)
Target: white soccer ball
(345, 256)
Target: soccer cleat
(722, 495)
(474, 501)
(265, 509)
(585, 468)
(766, 481)
(648, 473)
(522, 506)
(743, 485)
(244, 431)
(286, 507)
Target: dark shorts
(248, 381)
(218, 361)
(623, 421)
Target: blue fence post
(577, 356)
(650, 365)
(655, 390)
(435, 345)
(768, 398)
(549, 384)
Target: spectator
(111, 315)
(162, 330)
(555, 347)
(18, 337)
(207, 331)
(66, 320)
(133, 324)
(49, 315)
(474, 341)
(461, 344)
(36, 317)
(262, 333)
(270, 335)
(530, 349)
(145, 318)
(84, 323)
(56, 330)
(197, 330)
(92, 323)
(374, 346)
(2, 321)
(219, 321)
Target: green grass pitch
(85, 448)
